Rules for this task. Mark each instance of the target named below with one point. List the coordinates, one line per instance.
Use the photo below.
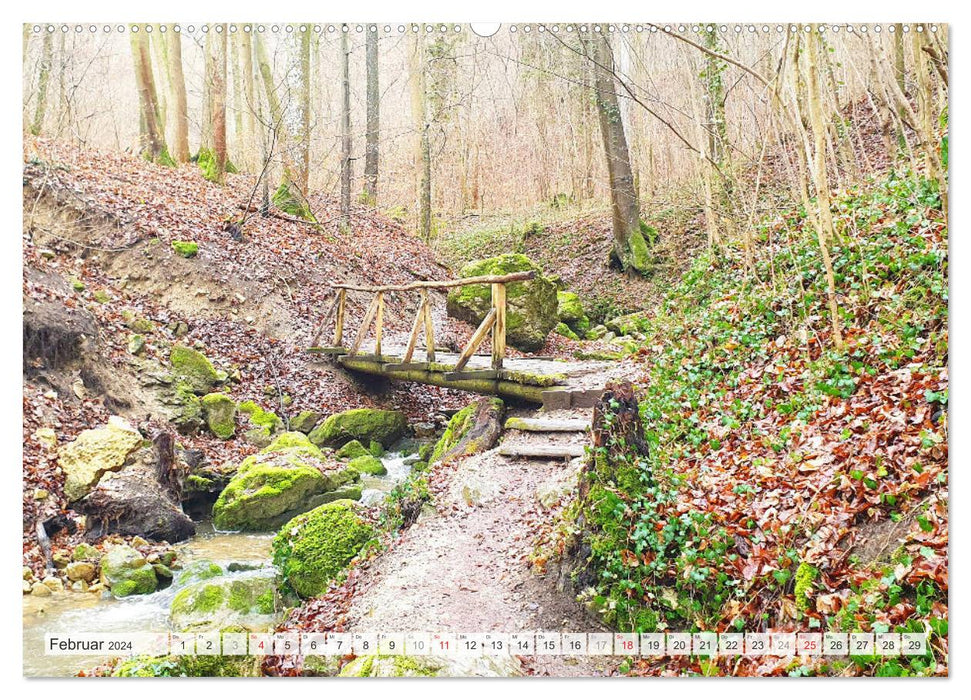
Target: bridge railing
(494, 322)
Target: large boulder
(289, 476)
(133, 502)
(361, 424)
(472, 430)
(94, 453)
(126, 572)
(530, 306)
(245, 601)
(569, 311)
(313, 548)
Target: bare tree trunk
(373, 118)
(218, 171)
(302, 137)
(40, 109)
(180, 104)
(163, 88)
(630, 248)
(423, 166)
(927, 110)
(153, 145)
(825, 231)
(698, 107)
(249, 94)
(345, 133)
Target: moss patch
(806, 575)
(220, 414)
(367, 464)
(193, 369)
(352, 450)
(259, 417)
(314, 548)
(187, 249)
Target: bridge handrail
(435, 284)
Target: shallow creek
(87, 612)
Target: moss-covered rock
(136, 344)
(193, 368)
(361, 424)
(367, 464)
(311, 550)
(198, 571)
(566, 331)
(260, 417)
(531, 306)
(375, 448)
(473, 429)
(220, 413)
(627, 324)
(806, 576)
(352, 450)
(126, 572)
(285, 478)
(291, 202)
(305, 421)
(187, 249)
(570, 313)
(243, 601)
(94, 453)
(433, 667)
(203, 666)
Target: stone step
(548, 425)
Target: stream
(87, 612)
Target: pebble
(54, 584)
(41, 494)
(27, 587)
(40, 590)
(28, 573)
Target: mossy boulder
(260, 417)
(220, 413)
(94, 453)
(501, 666)
(247, 601)
(352, 450)
(203, 666)
(193, 369)
(311, 550)
(531, 306)
(566, 331)
(375, 448)
(627, 324)
(126, 572)
(367, 464)
(187, 249)
(289, 476)
(198, 571)
(569, 311)
(305, 421)
(361, 424)
(472, 430)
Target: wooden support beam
(323, 321)
(476, 340)
(499, 332)
(416, 327)
(339, 323)
(429, 333)
(379, 324)
(445, 284)
(542, 451)
(327, 350)
(548, 425)
(365, 325)
(471, 374)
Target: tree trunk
(630, 248)
(153, 143)
(825, 231)
(927, 110)
(40, 109)
(423, 166)
(180, 104)
(249, 95)
(345, 221)
(218, 171)
(373, 119)
(302, 135)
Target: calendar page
(456, 350)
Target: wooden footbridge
(556, 384)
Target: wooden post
(365, 326)
(476, 340)
(429, 329)
(323, 322)
(339, 323)
(379, 325)
(499, 330)
(416, 328)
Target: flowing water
(88, 612)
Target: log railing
(494, 323)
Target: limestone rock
(220, 413)
(361, 424)
(247, 601)
(94, 453)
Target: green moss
(293, 443)
(220, 414)
(260, 492)
(375, 448)
(806, 575)
(204, 599)
(640, 254)
(198, 484)
(352, 450)
(193, 368)
(362, 424)
(568, 307)
(457, 426)
(139, 324)
(187, 249)
(291, 202)
(244, 598)
(304, 421)
(366, 464)
(311, 550)
(101, 296)
(203, 666)
(259, 417)
(85, 552)
(565, 331)
(199, 571)
(77, 285)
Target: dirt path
(465, 567)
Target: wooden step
(548, 425)
(327, 350)
(566, 451)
